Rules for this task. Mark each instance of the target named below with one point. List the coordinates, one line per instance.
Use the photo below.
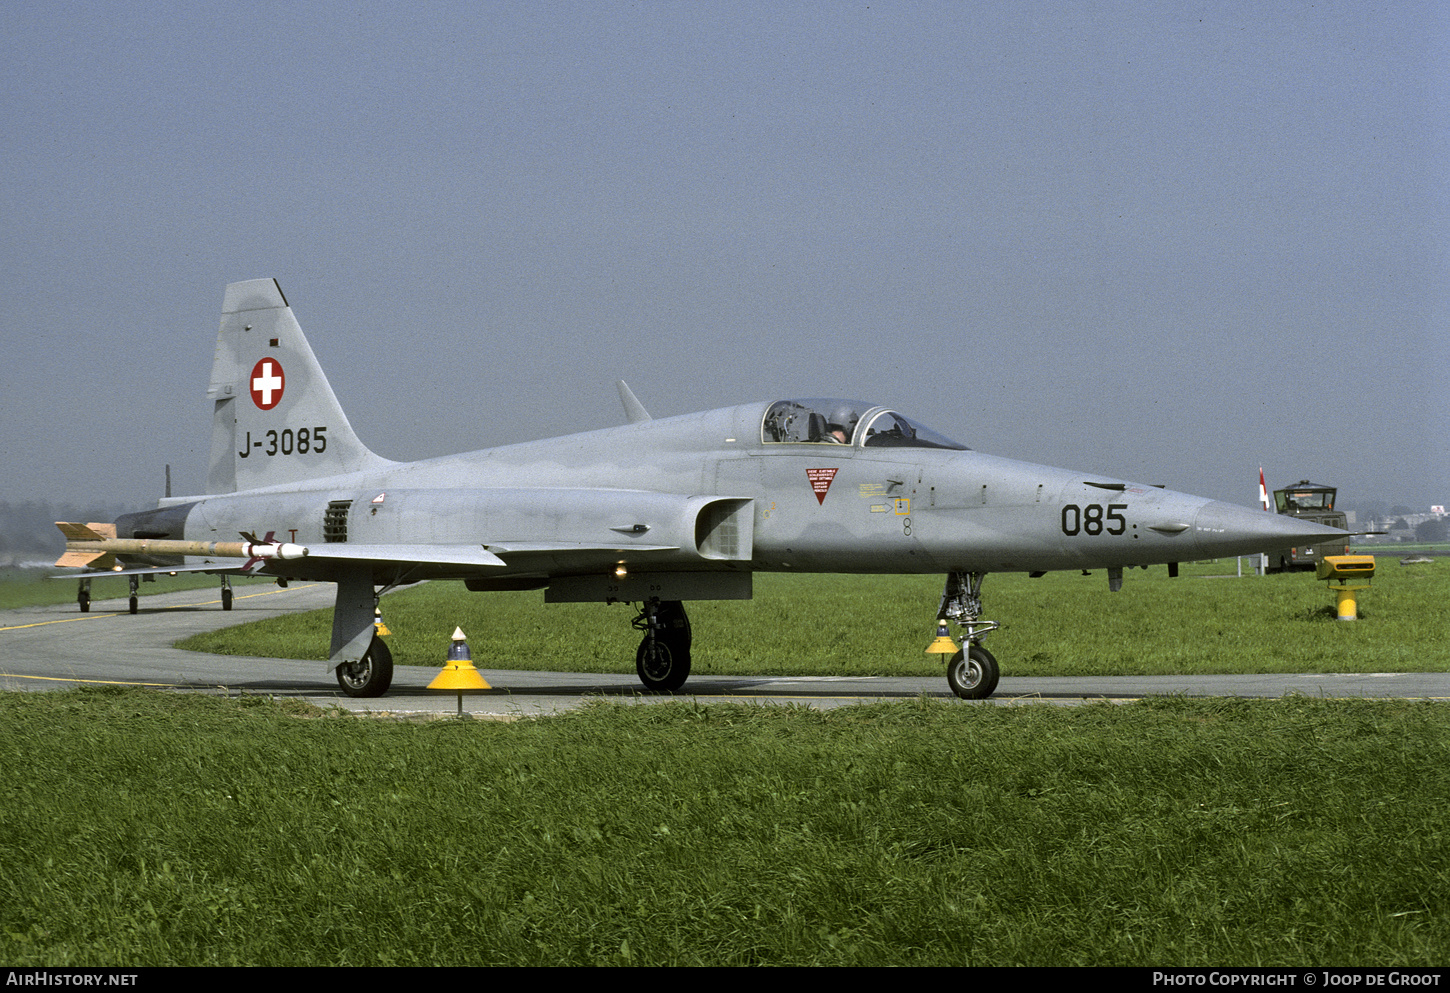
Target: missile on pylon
(96, 546)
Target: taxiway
(57, 647)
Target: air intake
(725, 529)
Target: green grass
(148, 828)
(24, 588)
(1059, 624)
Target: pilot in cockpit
(841, 424)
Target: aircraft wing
(396, 555)
(516, 549)
(444, 555)
(492, 554)
(484, 557)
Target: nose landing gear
(972, 673)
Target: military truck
(1310, 502)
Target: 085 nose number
(1094, 519)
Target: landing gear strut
(663, 658)
(361, 659)
(972, 672)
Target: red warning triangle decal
(821, 482)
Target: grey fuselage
(706, 492)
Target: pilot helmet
(844, 416)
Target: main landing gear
(361, 672)
(370, 675)
(663, 658)
(972, 673)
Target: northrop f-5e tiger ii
(654, 512)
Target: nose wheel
(972, 672)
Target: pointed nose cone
(1228, 529)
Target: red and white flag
(1263, 493)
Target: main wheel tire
(226, 599)
(973, 674)
(663, 664)
(85, 602)
(134, 605)
(370, 675)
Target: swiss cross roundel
(267, 383)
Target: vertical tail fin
(276, 419)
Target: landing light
(620, 572)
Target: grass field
(1060, 624)
(149, 828)
(25, 588)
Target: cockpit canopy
(846, 422)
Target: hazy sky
(1167, 241)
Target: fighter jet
(655, 512)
